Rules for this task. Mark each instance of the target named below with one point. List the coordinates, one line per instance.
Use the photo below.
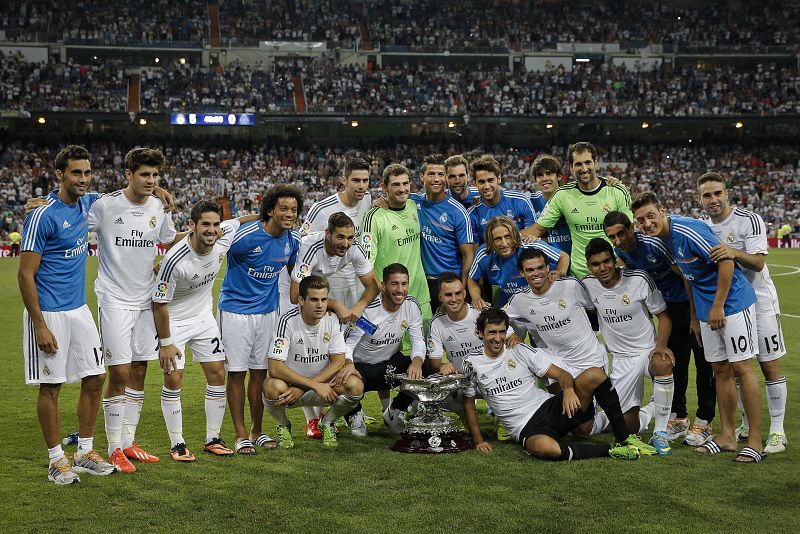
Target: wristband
(165, 341)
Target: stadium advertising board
(212, 119)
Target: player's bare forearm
(335, 363)
(371, 291)
(664, 328)
(26, 277)
(248, 218)
(535, 230)
(165, 197)
(281, 371)
(471, 420)
(294, 293)
(474, 290)
(161, 316)
(563, 263)
(724, 279)
(467, 255)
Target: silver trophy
(429, 430)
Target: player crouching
(506, 377)
(306, 355)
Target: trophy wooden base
(432, 443)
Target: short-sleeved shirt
(185, 278)
(455, 338)
(746, 231)
(557, 320)
(393, 236)
(59, 233)
(255, 259)
(313, 259)
(508, 383)
(690, 242)
(469, 200)
(513, 204)
(651, 255)
(305, 348)
(504, 272)
(538, 202)
(445, 226)
(127, 236)
(388, 337)
(584, 212)
(625, 310)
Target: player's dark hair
(70, 152)
(581, 146)
(531, 253)
(270, 200)
(394, 268)
(203, 206)
(455, 161)
(711, 177)
(506, 222)
(339, 220)
(355, 164)
(312, 282)
(644, 199)
(447, 277)
(491, 316)
(431, 159)
(486, 163)
(394, 169)
(614, 218)
(143, 156)
(544, 164)
(598, 245)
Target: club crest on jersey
(510, 214)
(304, 270)
(729, 239)
(443, 217)
(287, 249)
(46, 370)
(305, 228)
(221, 257)
(280, 343)
(562, 304)
(511, 364)
(651, 258)
(153, 221)
(326, 336)
(108, 354)
(626, 300)
(404, 324)
(606, 208)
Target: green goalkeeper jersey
(584, 212)
(393, 236)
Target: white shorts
(247, 338)
(735, 342)
(203, 339)
(79, 353)
(127, 335)
(627, 375)
(770, 336)
(345, 290)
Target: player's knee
(722, 370)
(93, 384)
(771, 369)
(236, 377)
(118, 376)
(743, 369)
(274, 388)
(543, 447)
(49, 391)
(661, 367)
(354, 385)
(591, 378)
(173, 381)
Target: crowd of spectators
(763, 179)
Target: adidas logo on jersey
(495, 267)
(394, 227)
(574, 210)
(450, 338)
(257, 249)
(119, 221)
(483, 376)
(300, 341)
(196, 276)
(66, 224)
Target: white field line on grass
(795, 269)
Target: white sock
(113, 408)
(741, 406)
(344, 404)
(600, 422)
(215, 410)
(173, 414)
(776, 402)
(312, 412)
(646, 413)
(133, 410)
(84, 446)
(277, 412)
(663, 391)
(56, 453)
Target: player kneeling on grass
(307, 353)
(506, 377)
(184, 315)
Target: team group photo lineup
(373, 266)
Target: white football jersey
(745, 231)
(456, 338)
(185, 278)
(388, 338)
(313, 259)
(306, 349)
(508, 383)
(127, 236)
(317, 220)
(557, 320)
(624, 312)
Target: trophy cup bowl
(429, 430)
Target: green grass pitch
(363, 486)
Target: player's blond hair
(508, 224)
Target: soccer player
(60, 339)
(640, 251)
(458, 179)
(15, 238)
(743, 239)
(625, 301)
(248, 305)
(184, 315)
(724, 303)
(496, 201)
(583, 204)
(387, 320)
(496, 261)
(506, 377)
(307, 353)
(447, 240)
(546, 172)
(393, 235)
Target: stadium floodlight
(41, 120)
(354, 123)
(451, 124)
(739, 124)
(142, 122)
(157, 60)
(582, 60)
(645, 125)
(549, 125)
(182, 60)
